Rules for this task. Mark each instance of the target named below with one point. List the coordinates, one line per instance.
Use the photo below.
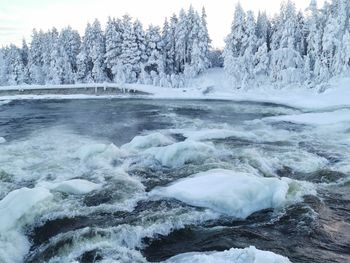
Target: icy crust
(75, 186)
(178, 154)
(16, 205)
(148, 141)
(234, 255)
(232, 193)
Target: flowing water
(118, 220)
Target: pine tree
(114, 42)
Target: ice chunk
(75, 186)
(14, 246)
(178, 154)
(147, 141)
(234, 255)
(212, 134)
(2, 140)
(18, 203)
(228, 192)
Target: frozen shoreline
(212, 85)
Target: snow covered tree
(114, 42)
(286, 61)
(130, 56)
(155, 61)
(236, 44)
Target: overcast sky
(19, 17)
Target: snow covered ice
(234, 255)
(235, 194)
(75, 186)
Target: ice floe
(234, 255)
(75, 186)
(14, 207)
(231, 193)
(178, 154)
(147, 141)
(19, 202)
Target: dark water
(118, 222)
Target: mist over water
(106, 181)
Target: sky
(19, 17)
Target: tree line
(123, 52)
(291, 47)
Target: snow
(231, 193)
(178, 154)
(147, 141)
(2, 140)
(75, 186)
(214, 84)
(234, 255)
(18, 203)
(316, 118)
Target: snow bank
(2, 140)
(75, 186)
(18, 203)
(234, 255)
(178, 154)
(147, 141)
(316, 118)
(227, 192)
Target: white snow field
(234, 255)
(235, 194)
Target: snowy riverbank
(213, 84)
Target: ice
(2, 140)
(18, 203)
(211, 134)
(147, 141)
(316, 118)
(232, 193)
(178, 154)
(75, 186)
(14, 246)
(234, 255)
